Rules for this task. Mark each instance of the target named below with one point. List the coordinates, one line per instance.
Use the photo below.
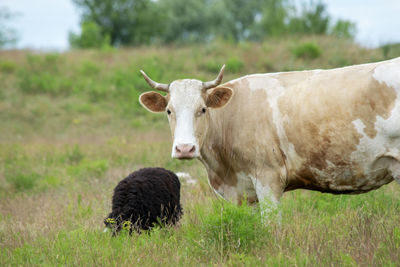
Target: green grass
(71, 127)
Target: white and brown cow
(260, 135)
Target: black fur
(147, 197)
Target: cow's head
(187, 106)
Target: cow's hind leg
(394, 169)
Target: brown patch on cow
(321, 111)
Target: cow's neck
(242, 137)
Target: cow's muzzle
(185, 151)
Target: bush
(22, 181)
(234, 65)
(307, 50)
(391, 50)
(7, 66)
(90, 37)
(211, 66)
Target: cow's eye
(203, 110)
(168, 112)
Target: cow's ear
(219, 97)
(153, 101)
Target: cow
(258, 136)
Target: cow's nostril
(185, 151)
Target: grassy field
(71, 127)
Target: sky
(378, 21)
(45, 24)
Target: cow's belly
(349, 180)
(358, 177)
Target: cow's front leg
(269, 192)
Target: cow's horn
(217, 81)
(159, 86)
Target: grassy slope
(71, 128)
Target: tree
(344, 29)
(244, 16)
(125, 21)
(186, 20)
(274, 19)
(136, 22)
(7, 34)
(313, 19)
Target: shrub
(307, 50)
(22, 181)
(234, 65)
(211, 66)
(90, 37)
(7, 66)
(391, 50)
